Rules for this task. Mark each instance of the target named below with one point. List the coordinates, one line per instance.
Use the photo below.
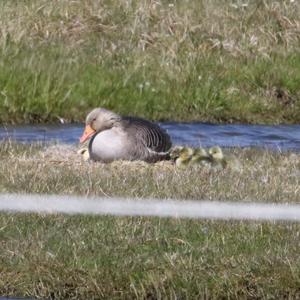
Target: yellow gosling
(85, 153)
(220, 161)
(184, 158)
(216, 153)
(175, 152)
(217, 157)
(200, 157)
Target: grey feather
(151, 140)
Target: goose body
(113, 137)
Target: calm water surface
(278, 137)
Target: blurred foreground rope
(53, 204)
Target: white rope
(52, 204)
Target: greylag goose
(114, 137)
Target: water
(278, 137)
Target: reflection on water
(280, 137)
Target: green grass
(62, 257)
(93, 257)
(207, 61)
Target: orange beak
(88, 132)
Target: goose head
(98, 120)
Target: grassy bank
(61, 257)
(262, 176)
(213, 61)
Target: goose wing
(149, 134)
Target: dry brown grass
(262, 176)
(240, 28)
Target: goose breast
(109, 145)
